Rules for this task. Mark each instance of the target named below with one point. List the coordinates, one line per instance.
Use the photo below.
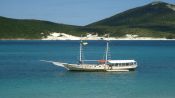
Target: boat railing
(90, 60)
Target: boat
(105, 65)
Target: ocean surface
(24, 75)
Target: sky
(73, 12)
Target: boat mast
(107, 49)
(80, 61)
(80, 52)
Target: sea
(25, 74)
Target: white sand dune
(64, 36)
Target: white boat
(102, 65)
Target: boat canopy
(121, 61)
(101, 61)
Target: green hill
(32, 29)
(156, 19)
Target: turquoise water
(23, 75)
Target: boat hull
(98, 68)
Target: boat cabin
(122, 62)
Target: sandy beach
(64, 36)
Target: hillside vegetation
(156, 19)
(153, 20)
(32, 29)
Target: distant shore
(88, 39)
(64, 36)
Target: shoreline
(89, 39)
(67, 37)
